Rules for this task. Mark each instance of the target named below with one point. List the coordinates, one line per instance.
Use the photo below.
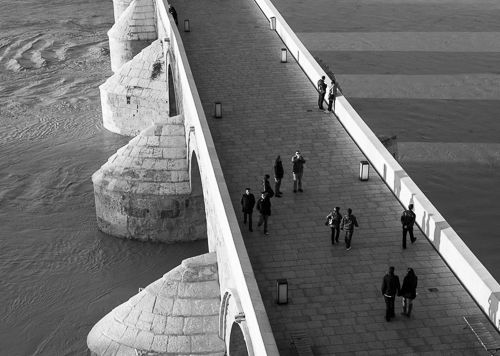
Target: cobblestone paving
(269, 109)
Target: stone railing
(468, 269)
(224, 235)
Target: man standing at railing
(321, 92)
(172, 11)
(408, 220)
(332, 94)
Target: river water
(59, 274)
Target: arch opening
(237, 344)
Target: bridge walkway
(269, 109)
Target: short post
(364, 170)
(272, 23)
(282, 291)
(218, 110)
(186, 26)
(283, 55)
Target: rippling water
(59, 275)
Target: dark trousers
(348, 238)
(263, 219)
(249, 215)
(410, 231)
(331, 102)
(335, 233)
(277, 186)
(389, 307)
(321, 98)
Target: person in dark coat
(264, 207)
(390, 288)
(247, 204)
(278, 175)
(348, 223)
(172, 11)
(321, 92)
(333, 220)
(407, 221)
(409, 291)
(266, 186)
(297, 171)
(332, 94)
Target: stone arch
(233, 327)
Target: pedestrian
(297, 171)
(278, 175)
(348, 223)
(408, 220)
(390, 288)
(264, 208)
(266, 186)
(333, 220)
(409, 291)
(172, 11)
(332, 94)
(247, 204)
(321, 92)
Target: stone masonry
(119, 7)
(137, 94)
(144, 192)
(176, 315)
(134, 31)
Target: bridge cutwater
(182, 174)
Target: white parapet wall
(119, 7)
(224, 235)
(468, 269)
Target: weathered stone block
(179, 344)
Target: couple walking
(337, 223)
(391, 288)
(297, 171)
(263, 207)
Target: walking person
(409, 291)
(172, 11)
(266, 186)
(247, 204)
(321, 92)
(264, 208)
(332, 94)
(348, 223)
(333, 220)
(408, 220)
(278, 176)
(297, 171)
(390, 288)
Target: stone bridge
(168, 184)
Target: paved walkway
(269, 108)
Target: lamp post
(282, 291)
(218, 110)
(272, 23)
(186, 26)
(283, 55)
(364, 170)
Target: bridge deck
(269, 108)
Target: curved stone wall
(176, 315)
(143, 192)
(134, 30)
(137, 94)
(119, 7)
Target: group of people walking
(263, 204)
(338, 222)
